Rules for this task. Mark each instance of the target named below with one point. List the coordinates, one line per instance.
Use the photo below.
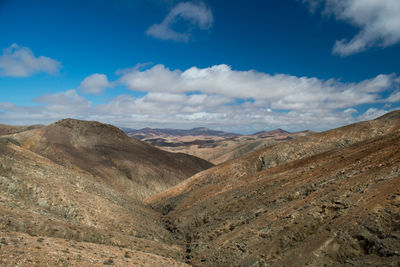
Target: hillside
(70, 194)
(213, 146)
(329, 198)
(131, 166)
(52, 215)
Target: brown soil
(328, 199)
(332, 199)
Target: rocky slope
(131, 166)
(70, 195)
(327, 199)
(332, 198)
(53, 215)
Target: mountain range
(84, 193)
(213, 146)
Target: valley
(84, 193)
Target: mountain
(213, 146)
(70, 194)
(132, 166)
(51, 215)
(147, 133)
(325, 199)
(331, 198)
(275, 132)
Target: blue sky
(230, 65)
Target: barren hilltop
(84, 193)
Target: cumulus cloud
(19, 61)
(194, 15)
(372, 113)
(67, 103)
(52, 107)
(221, 98)
(280, 91)
(379, 23)
(394, 97)
(95, 84)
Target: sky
(239, 66)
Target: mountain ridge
(331, 197)
(106, 151)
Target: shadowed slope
(61, 216)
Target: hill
(131, 166)
(52, 215)
(70, 194)
(331, 198)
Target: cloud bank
(279, 92)
(19, 61)
(378, 21)
(193, 15)
(221, 98)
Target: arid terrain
(131, 166)
(214, 146)
(84, 193)
(331, 198)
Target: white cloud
(64, 104)
(372, 113)
(394, 97)
(379, 22)
(19, 61)
(280, 91)
(194, 15)
(218, 97)
(95, 84)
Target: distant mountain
(211, 145)
(200, 131)
(275, 132)
(10, 129)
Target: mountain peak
(93, 127)
(277, 131)
(200, 129)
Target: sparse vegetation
(331, 198)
